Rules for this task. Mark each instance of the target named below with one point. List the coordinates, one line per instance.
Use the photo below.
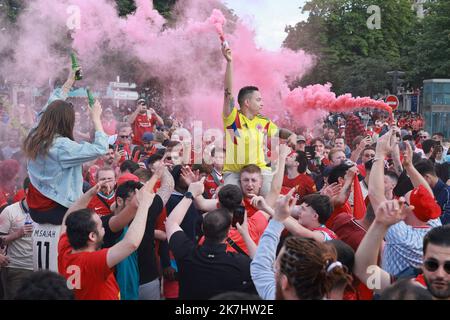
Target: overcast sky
(269, 18)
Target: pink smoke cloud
(314, 102)
(218, 20)
(185, 57)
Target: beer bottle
(91, 98)
(75, 65)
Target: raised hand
(285, 150)
(197, 188)
(331, 190)
(145, 195)
(365, 142)
(188, 175)
(227, 54)
(243, 229)
(407, 155)
(159, 168)
(284, 206)
(386, 144)
(391, 212)
(96, 111)
(258, 202)
(351, 172)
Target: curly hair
(44, 285)
(305, 263)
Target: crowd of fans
(113, 206)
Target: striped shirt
(404, 246)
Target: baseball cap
(141, 100)
(127, 177)
(148, 136)
(425, 206)
(300, 138)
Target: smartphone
(238, 216)
(120, 147)
(310, 152)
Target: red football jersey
(303, 185)
(87, 272)
(99, 206)
(211, 185)
(142, 124)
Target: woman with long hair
(55, 169)
(55, 159)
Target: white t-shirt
(20, 251)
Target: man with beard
(89, 270)
(101, 203)
(142, 122)
(436, 253)
(110, 159)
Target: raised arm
(133, 116)
(205, 205)
(243, 231)
(81, 203)
(288, 135)
(133, 237)
(396, 159)
(59, 93)
(416, 178)
(366, 267)
(175, 218)
(96, 113)
(296, 229)
(69, 82)
(124, 217)
(159, 120)
(277, 181)
(261, 268)
(228, 101)
(167, 186)
(344, 193)
(356, 154)
(290, 223)
(384, 147)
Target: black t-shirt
(110, 238)
(191, 219)
(148, 269)
(208, 270)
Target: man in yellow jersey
(246, 131)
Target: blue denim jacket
(58, 175)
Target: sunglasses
(432, 265)
(125, 137)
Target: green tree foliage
(429, 57)
(11, 9)
(125, 7)
(349, 54)
(164, 7)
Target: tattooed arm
(228, 96)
